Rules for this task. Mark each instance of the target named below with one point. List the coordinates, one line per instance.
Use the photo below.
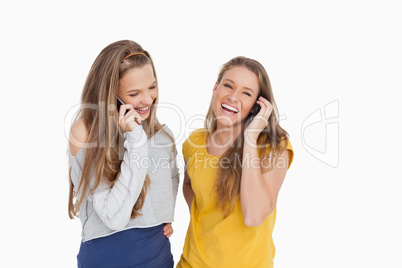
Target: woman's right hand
(130, 120)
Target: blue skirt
(136, 247)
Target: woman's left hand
(260, 121)
(168, 229)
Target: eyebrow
(247, 88)
(132, 90)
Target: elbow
(256, 219)
(116, 226)
(117, 223)
(114, 222)
(253, 221)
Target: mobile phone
(119, 103)
(256, 109)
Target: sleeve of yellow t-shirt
(291, 153)
(192, 143)
(283, 146)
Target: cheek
(134, 102)
(247, 107)
(154, 94)
(217, 97)
(220, 92)
(215, 103)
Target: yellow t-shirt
(212, 241)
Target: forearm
(114, 205)
(255, 197)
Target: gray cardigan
(108, 209)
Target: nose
(148, 99)
(233, 96)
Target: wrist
(250, 138)
(135, 138)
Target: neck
(226, 135)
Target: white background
(347, 53)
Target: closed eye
(153, 86)
(246, 93)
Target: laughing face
(234, 96)
(138, 88)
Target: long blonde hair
(104, 157)
(228, 179)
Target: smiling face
(234, 96)
(138, 88)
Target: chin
(228, 121)
(144, 117)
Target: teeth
(143, 109)
(233, 109)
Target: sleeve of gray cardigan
(114, 205)
(175, 177)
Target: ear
(215, 87)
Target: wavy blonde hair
(228, 179)
(103, 158)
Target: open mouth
(142, 110)
(229, 109)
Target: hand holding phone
(255, 109)
(257, 121)
(253, 112)
(131, 118)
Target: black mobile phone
(256, 109)
(119, 103)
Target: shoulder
(283, 145)
(285, 149)
(164, 136)
(195, 141)
(168, 130)
(286, 146)
(78, 136)
(197, 137)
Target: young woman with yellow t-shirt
(235, 167)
